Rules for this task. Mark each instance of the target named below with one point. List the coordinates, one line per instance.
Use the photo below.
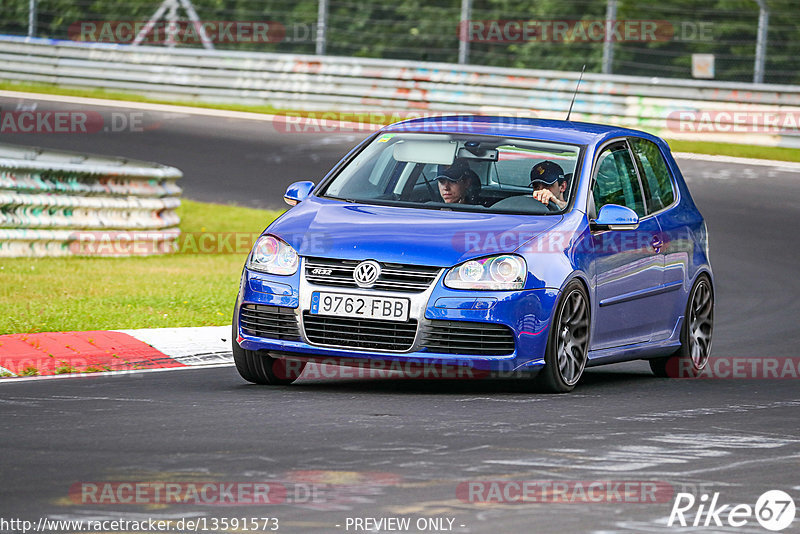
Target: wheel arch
(581, 277)
(702, 271)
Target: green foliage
(30, 371)
(428, 31)
(65, 369)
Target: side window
(655, 173)
(516, 172)
(616, 181)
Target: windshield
(464, 172)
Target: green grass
(184, 289)
(49, 89)
(741, 151)
(700, 147)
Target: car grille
(360, 333)
(394, 276)
(462, 337)
(273, 322)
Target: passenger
(458, 184)
(549, 183)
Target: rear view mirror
(490, 154)
(297, 192)
(615, 217)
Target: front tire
(568, 342)
(698, 327)
(261, 368)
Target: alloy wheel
(701, 324)
(573, 337)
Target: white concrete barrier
(55, 203)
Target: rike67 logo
(774, 510)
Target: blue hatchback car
(492, 244)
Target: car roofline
(575, 132)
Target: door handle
(657, 243)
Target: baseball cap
(547, 172)
(457, 171)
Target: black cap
(455, 172)
(547, 172)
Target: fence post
(761, 42)
(322, 26)
(32, 18)
(463, 32)
(608, 43)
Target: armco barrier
(55, 203)
(303, 82)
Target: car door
(659, 192)
(628, 265)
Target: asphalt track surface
(400, 448)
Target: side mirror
(615, 217)
(297, 192)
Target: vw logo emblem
(366, 273)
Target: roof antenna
(576, 91)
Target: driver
(549, 183)
(458, 184)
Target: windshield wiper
(350, 200)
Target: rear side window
(616, 181)
(655, 174)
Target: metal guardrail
(55, 203)
(359, 84)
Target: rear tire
(698, 327)
(263, 369)
(568, 342)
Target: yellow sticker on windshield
(385, 137)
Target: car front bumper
(526, 313)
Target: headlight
(271, 255)
(496, 272)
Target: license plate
(367, 307)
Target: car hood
(333, 229)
